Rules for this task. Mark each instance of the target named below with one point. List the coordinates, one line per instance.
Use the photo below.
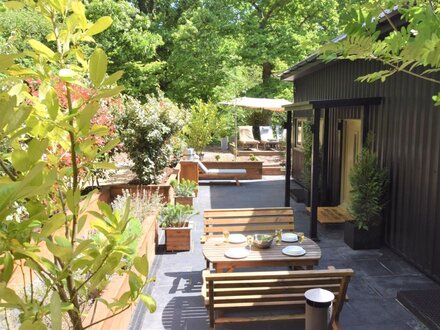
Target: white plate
(237, 253)
(294, 251)
(237, 238)
(289, 237)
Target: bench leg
(237, 182)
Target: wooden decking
(332, 214)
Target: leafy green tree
(52, 146)
(146, 131)
(202, 126)
(217, 50)
(203, 62)
(276, 33)
(17, 26)
(131, 46)
(411, 49)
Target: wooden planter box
(164, 189)
(183, 200)
(360, 239)
(178, 239)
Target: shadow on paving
(379, 274)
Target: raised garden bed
(163, 189)
(119, 284)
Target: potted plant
(184, 191)
(174, 219)
(368, 181)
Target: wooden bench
(252, 220)
(269, 296)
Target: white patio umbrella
(254, 103)
(258, 103)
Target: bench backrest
(275, 288)
(248, 220)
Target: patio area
(379, 274)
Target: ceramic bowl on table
(262, 241)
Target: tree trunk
(267, 71)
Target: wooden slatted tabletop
(214, 251)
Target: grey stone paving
(379, 274)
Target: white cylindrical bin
(318, 309)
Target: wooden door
(351, 147)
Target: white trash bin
(318, 309)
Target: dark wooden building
(406, 125)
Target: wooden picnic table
(214, 251)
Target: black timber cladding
(407, 140)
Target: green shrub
(203, 125)
(368, 182)
(17, 26)
(173, 216)
(146, 131)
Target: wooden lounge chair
(221, 173)
(279, 292)
(267, 138)
(246, 137)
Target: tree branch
(108, 317)
(5, 168)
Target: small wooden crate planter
(178, 239)
(183, 200)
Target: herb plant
(184, 188)
(175, 216)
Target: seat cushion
(227, 171)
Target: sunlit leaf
(149, 302)
(141, 265)
(41, 49)
(55, 311)
(98, 66)
(113, 78)
(100, 25)
(14, 5)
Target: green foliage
(307, 144)
(52, 145)
(412, 49)
(142, 203)
(217, 50)
(217, 157)
(253, 158)
(146, 131)
(184, 188)
(202, 126)
(368, 182)
(17, 26)
(175, 216)
(130, 44)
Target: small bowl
(262, 241)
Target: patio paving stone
(379, 274)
